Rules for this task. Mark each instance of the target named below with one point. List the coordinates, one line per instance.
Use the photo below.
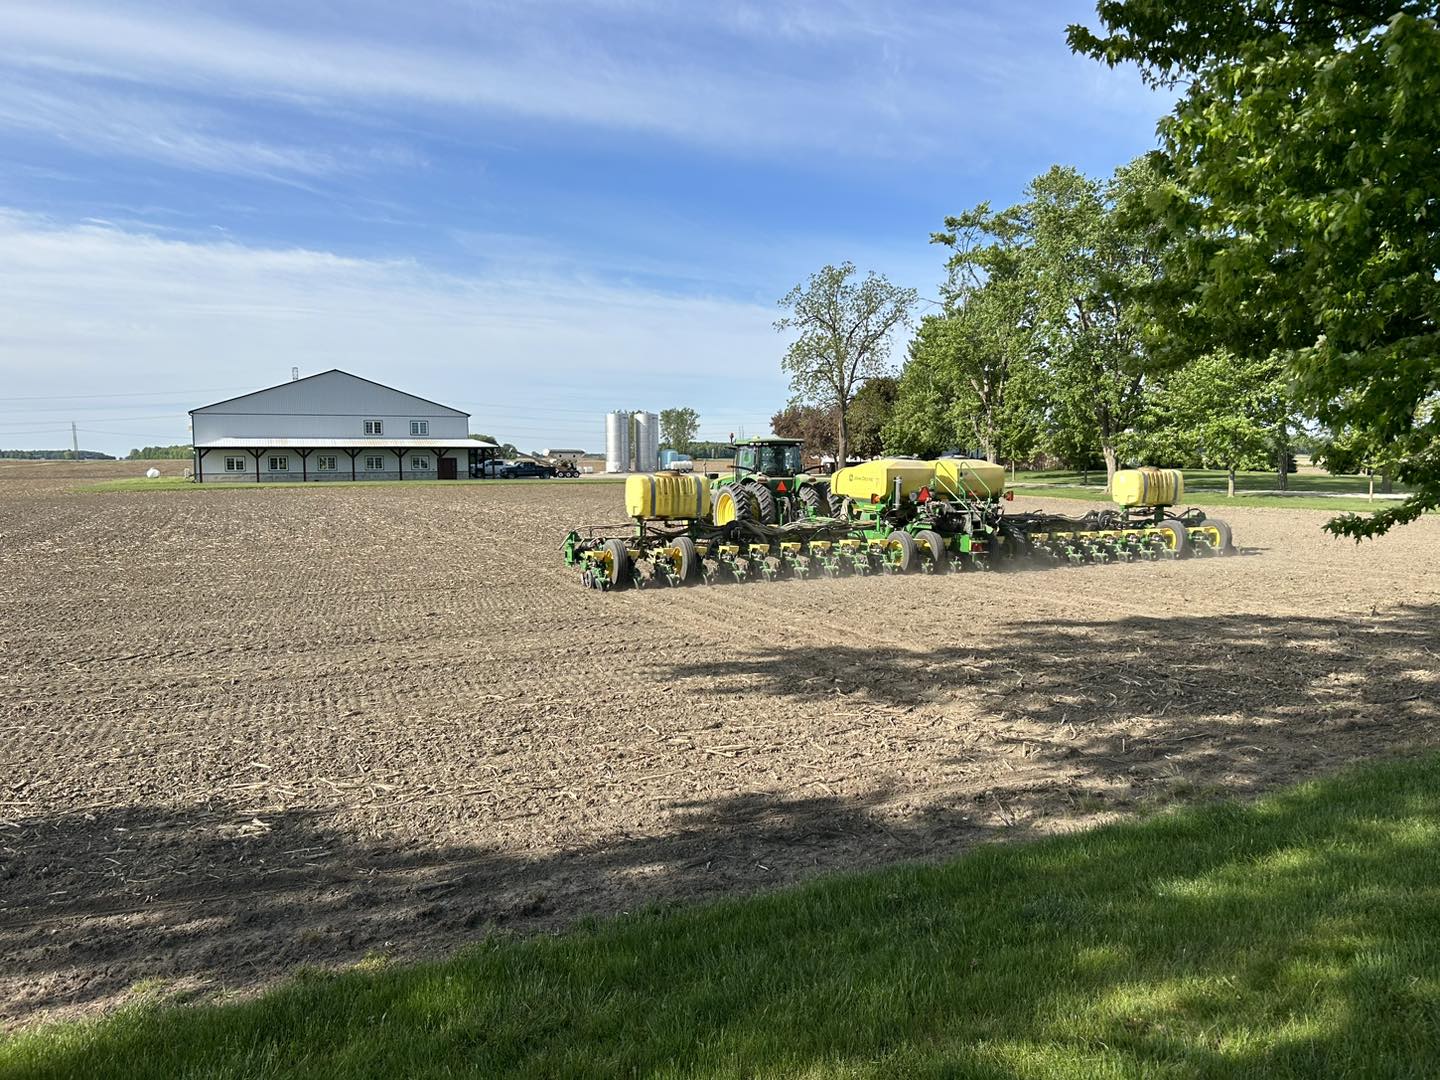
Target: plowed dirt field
(246, 730)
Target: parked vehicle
(517, 470)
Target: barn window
(374, 462)
(374, 427)
(235, 464)
(420, 463)
(419, 427)
(325, 462)
(279, 464)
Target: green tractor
(768, 484)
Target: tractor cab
(768, 484)
(772, 458)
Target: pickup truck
(518, 469)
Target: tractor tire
(688, 568)
(764, 503)
(840, 505)
(909, 560)
(939, 557)
(814, 501)
(619, 564)
(790, 510)
(1182, 538)
(733, 503)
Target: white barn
(332, 426)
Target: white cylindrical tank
(617, 442)
(647, 441)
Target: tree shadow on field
(100, 904)
(1238, 699)
(217, 896)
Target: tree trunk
(1387, 483)
(1108, 449)
(842, 433)
(1230, 482)
(1282, 461)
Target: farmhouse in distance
(333, 426)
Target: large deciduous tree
(970, 382)
(813, 425)
(870, 412)
(843, 328)
(1219, 410)
(1076, 261)
(678, 427)
(1303, 203)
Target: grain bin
(647, 441)
(617, 442)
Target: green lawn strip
(1214, 503)
(1215, 480)
(179, 483)
(1294, 937)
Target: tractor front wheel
(733, 503)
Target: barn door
(446, 465)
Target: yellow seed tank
(667, 496)
(874, 480)
(1148, 487)
(975, 476)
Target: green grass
(1294, 937)
(179, 483)
(1213, 480)
(1217, 502)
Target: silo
(617, 442)
(647, 441)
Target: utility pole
(74, 437)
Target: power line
(128, 393)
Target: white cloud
(127, 125)
(840, 77)
(113, 311)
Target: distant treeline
(55, 455)
(145, 453)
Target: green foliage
(164, 453)
(678, 428)
(1053, 279)
(507, 450)
(971, 381)
(843, 329)
(869, 413)
(1301, 204)
(811, 423)
(58, 455)
(1219, 411)
(1289, 937)
(709, 450)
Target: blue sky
(535, 210)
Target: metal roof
(236, 443)
(323, 374)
